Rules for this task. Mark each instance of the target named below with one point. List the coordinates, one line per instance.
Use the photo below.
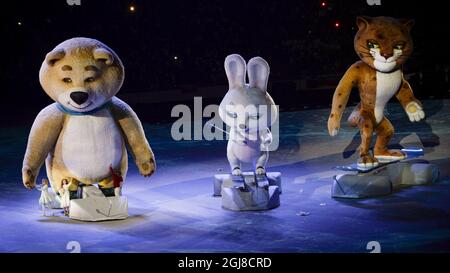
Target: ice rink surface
(174, 211)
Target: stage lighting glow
(175, 58)
(323, 4)
(132, 8)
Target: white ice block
(360, 186)
(99, 208)
(384, 180)
(92, 191)
(248, 192)
(274, 179)
(412, 174)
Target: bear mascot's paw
(28, 178)
(146, 168)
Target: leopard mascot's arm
(41, 141)
(134, 136)
(340, 98)
(412, 106)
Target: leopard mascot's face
(383, 43)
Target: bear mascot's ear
(52, 57)
(101, 54)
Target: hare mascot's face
(247, 108)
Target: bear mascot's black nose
(79, 97)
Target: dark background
(307, 51)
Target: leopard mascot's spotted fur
(383, 45)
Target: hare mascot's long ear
(258, 73)
(235, 70)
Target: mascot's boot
(73, 189)
(107, 187)
(108, 192)
(73, 195)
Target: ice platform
(248, 191)
(385, 180)
(94, 206)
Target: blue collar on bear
(75, 113)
